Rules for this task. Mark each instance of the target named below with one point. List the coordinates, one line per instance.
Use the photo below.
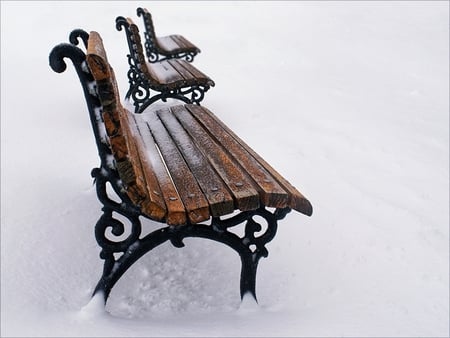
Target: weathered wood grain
(214, 189)
(240, 185)
(188, 188)
(226, 136)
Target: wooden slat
(128, 163)
(191, 74)
(219, 199)
(272, 194)
(184, 43)
(167, 44)
(240, 185)
(152, 204)
(164, 73)
(186, 75)
(140, 51)
(296, 200)
(187, 186)
(96, 57)
(156, 170)
(198, 75)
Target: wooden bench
(172, 78)
(180, 166)
(165, 47)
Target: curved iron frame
(140, 85)
(154, 54)
(251, 247)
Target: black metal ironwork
(251, 247)
(154, 54)
(120, 254)
(79, 34)
(141, 85)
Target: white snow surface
(348, 100)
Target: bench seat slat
(190, 74)
(272, 194)
(174, 73)
(241, 186)
(153, 205)
(216, 192)
(184, 43)
(164, 74)
(169, 44)
(158, 179)
(188, 189)
(296, 200)
(184, 73)
(196, 74)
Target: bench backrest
(115, 118)
(137, 60)
(106, 87)
(150, 34)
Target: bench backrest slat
(156, 173)
(115, 118)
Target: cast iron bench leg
(250, 247)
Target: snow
(348, 100)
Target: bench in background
(166, 47)
(172, 78)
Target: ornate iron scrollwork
(79, 34)
(250, 247)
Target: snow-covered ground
(348, 100)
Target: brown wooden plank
(164, 73)
(153, 204)
(184, 43)
(140, 51)
(188, 189)
(167, 44)
(241, 186)
(184, 73)
(191, 75)
(219, 199)
(198, 75)
(128, 163)
(272, 194)
(159, 182)
(296, 200)
(96, 57)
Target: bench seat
(175, 73)
(192, 167)
(174, 44)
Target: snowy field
(348, 100)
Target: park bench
(178, 165)
(172, 78)
(165, 47)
